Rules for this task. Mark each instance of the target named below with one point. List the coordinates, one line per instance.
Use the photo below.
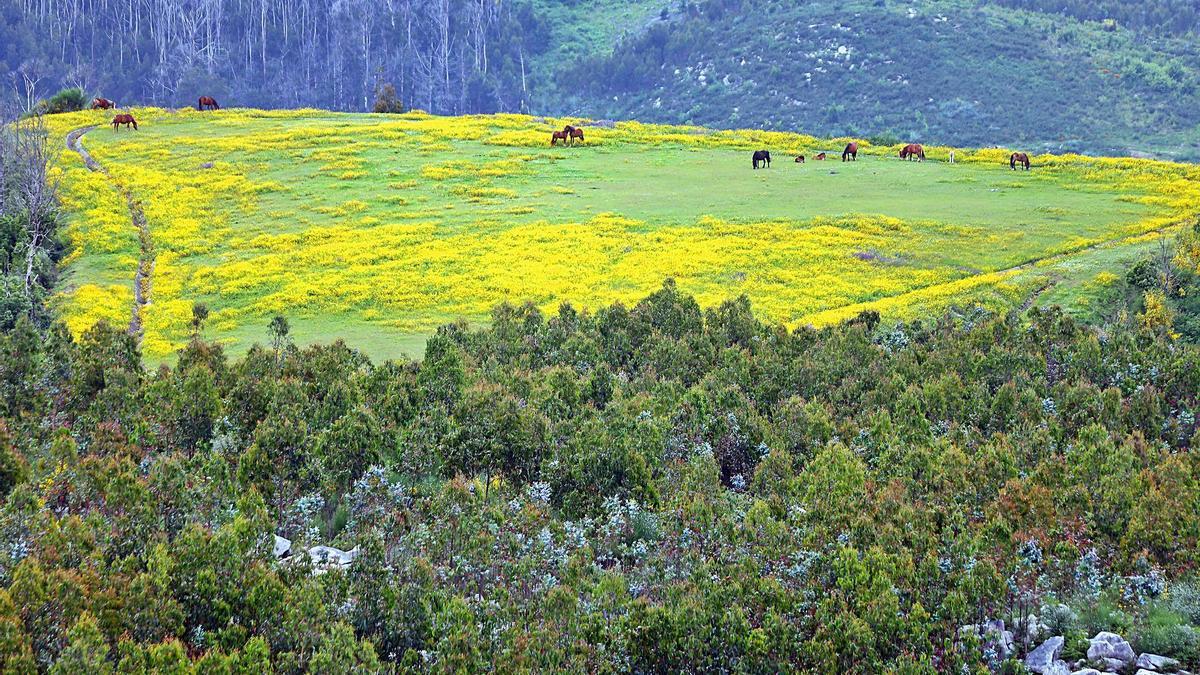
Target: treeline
(1179, 17)
(447, 56)
(651, 488)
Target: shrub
(67, 100)
(386, 100)
(1166, 633)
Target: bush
(67, 100)
(386, 100)
(1167, 633)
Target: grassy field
(379, 228)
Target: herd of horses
(570, 134)
(126, 120)
(912, 152)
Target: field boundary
(145, 267)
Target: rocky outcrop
(1108, 645)
(322, 558)
(1045, 659)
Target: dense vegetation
(958, 72)
(642, 489)
(1103, 77)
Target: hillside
(1112, 77)
(951, 72)
(380, 228)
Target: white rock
(1162, 664)
(1108, 645)
(1044, 658)
(1087, 671)
(283, 547)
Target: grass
(377, 229)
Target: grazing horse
(559, 136)
(799, 159)
(850, 154)
(99, 103)
(820, 157)
(207, 103)
(125, 119)
(913, 151)
(764, 157)
(1018, 158)
(573, 133)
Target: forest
(653, 487)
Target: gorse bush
(67, 100)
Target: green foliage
(67, 100)
(695, 490)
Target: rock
(1045, 657)
(1143, 671)
(332, 557)
(1162, 664)
(1113, 665)
(1087, 671)
(283, 547)
(1108, 645)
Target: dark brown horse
(799, 159)
(207, 103)
(763, 157)
(125, 119)
(820, 157)
(99, 103)
(850, 154)
(573, 133)
(1018, 158)
(913, 151)
(559, 136)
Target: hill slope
(946, 71)
(380, 228)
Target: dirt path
(145, 268)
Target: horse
(125, 119)
(573, 133)
(207, 103)
(559, 136)
(913, 151)
(820, 157)
(850, 154)
(1018, 158)
(951, 156)
(99, 103)
(799, 159)
(763, 156)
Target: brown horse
(125, 119)
(799, 159)
(820, 157)
(559, 136)
(573, 133)
(850, 154)
(99, 103)
(913, 151)
(1018, 158)
(762, 157)
(207, 103)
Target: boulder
(1162, 664)
(283, 547)
(1143, 671)
(330, 557)
(1087, 671)
(1108, 645)
(1045, 658)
